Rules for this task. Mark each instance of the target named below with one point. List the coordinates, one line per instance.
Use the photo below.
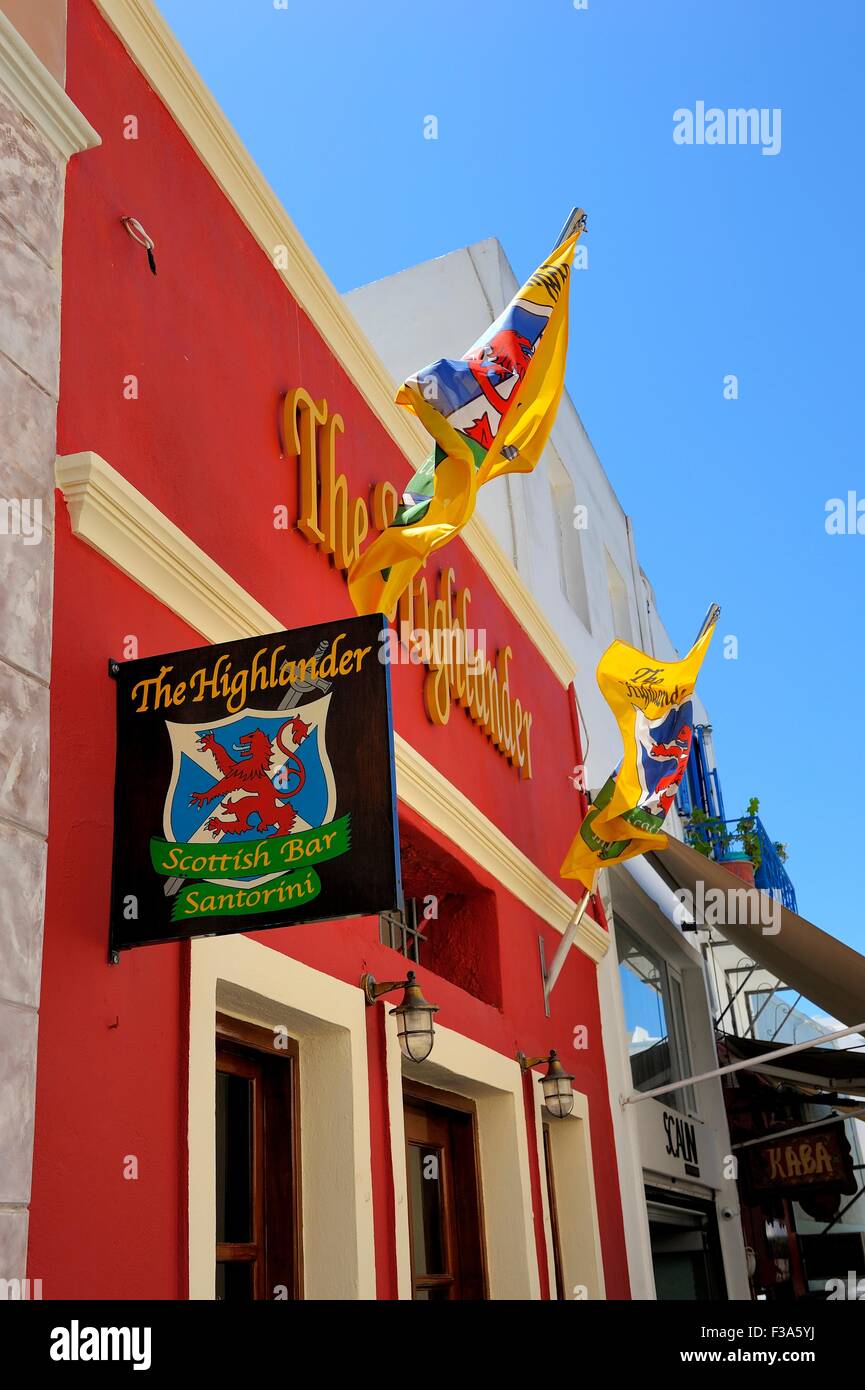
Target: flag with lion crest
(490, 412)
(651, 700)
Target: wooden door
(445, 1218)
(258, 1235)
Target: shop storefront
(799, 1170)
(231, 1116)
(793, 1083)
(686, 1252)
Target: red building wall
(214, 339)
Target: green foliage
(746, 833)
(708, 833)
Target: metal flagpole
(712, 616)
(574, 222)
(550, 976)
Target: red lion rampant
(507, 353)
(667, 785)
(250, 775)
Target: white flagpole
(563, 947)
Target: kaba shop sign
(816, 1158)
(254, 785)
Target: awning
(816, 1071)
(811, 961)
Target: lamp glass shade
(558, 1096)
(414, 1029)
(414, 1022)
(556, 1086)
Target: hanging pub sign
(792, 1165)
(254, 785)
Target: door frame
(451, 1100)
(462, 1066)
(253, 982)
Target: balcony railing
(724, 838)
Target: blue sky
(703, 261)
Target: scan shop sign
(254, 785)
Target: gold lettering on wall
(431, 630)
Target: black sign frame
(200, 730)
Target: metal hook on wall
(137, 232)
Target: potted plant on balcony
(708, 834)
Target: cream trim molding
(576, 1199)
(126, 528)
(495, 1083)
(123, 525)
(37, 93)
(154, 50)
(243, 978)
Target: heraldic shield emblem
(255, 785)
(255, 775)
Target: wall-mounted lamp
(556, 1085)
(414, 1016)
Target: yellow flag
(490, 412)
(651, 700)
